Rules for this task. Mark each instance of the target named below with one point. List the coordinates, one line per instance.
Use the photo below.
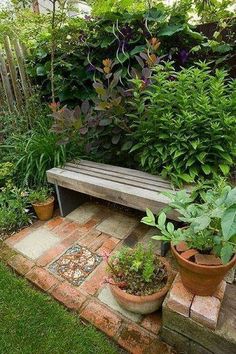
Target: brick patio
(46, 254)
(42, 252)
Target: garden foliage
(185, 126)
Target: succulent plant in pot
(205, 247)
(42, 202)
(138, 278)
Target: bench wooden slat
(123, 170)
(134, 197)
(116, 178)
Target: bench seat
(128, 187)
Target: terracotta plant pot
(44, 211)
(201, 279)
(143, 304)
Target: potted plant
(139, 279)
(205, 247)
(42, 202)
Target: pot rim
(49, 201)
(201, 266)
(152, 297)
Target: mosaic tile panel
(76, 264)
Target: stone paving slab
(85, 212)
(118, 225)
(36, 243)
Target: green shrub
(35, 153)
(185, 123)
(6, 172)
(14, 212)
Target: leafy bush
(211, 225)
(35, 153)
(14, 212)
(185, 126)
(6, 172)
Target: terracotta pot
(44, 211)
(200, 279)
(143, 304)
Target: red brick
(93, 283)
(98, 242)
(66, 228)
(158, 347)
(207, 259)
(108, 245)
(20, 264)
(53, 223)
(50, 255)
(74, 237)
(219, 293)
(69, 296)
(11, 241)
(180, 298)
(101, 317)
(42, 278)
(182, 246)
(135, 339)
(152, 322)
(205, 310)
(189, 253)
(89, 237)
(6, 252)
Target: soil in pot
(44, 211)
(201, 279)
(135, 295)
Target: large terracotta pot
(44, 211)
(143, 304)
(200, 279)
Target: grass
(33, 323)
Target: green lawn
(33, 323)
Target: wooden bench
(132, 188)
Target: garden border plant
(209, 236)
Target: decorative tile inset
(76, 264)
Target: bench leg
(68, 200)
(165, 246)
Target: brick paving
(49, 255)
(42, 252)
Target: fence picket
(6, 82)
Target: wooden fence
(14, 84)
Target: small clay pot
(147, 303)
(201, 279)
(44, 211)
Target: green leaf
(224, 168)
(206, 169)
(200, 223)
(231, 197)
(185, 177)
(162, 219)
(169, 30)
(137, 49)
(226, 253)
(170, 227)
(149, 219)
(40, 70)
(228, 222)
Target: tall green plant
(35, 153)
(185, 123)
